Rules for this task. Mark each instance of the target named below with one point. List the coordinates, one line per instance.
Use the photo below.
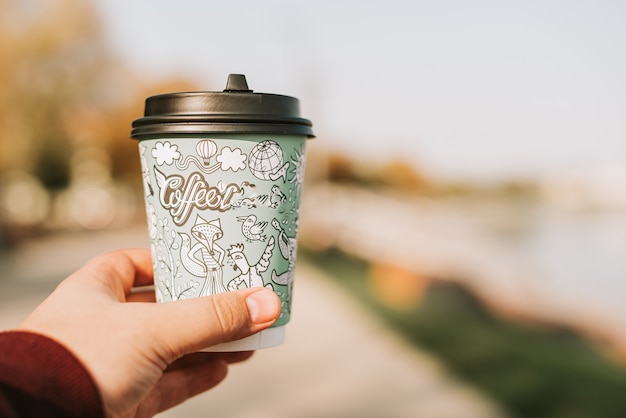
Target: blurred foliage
(394, 174)
(53, 59)
(66, 109)
(532, 371)
(401, 175)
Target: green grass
(531, 371)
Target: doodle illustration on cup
(223, 175)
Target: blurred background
(463, 228)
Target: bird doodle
(247, 197)
(251, 229)
(277, 197)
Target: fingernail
(263, 306)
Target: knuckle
(228, 316)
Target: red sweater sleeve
(41, 378)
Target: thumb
(190, 325)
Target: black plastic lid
(235, 110)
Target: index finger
(122, 270)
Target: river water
(524, 256)
(577, 256)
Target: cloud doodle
(232, 159)
(165, 153)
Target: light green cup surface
(222, 213)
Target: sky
(465, 89)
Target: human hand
(143, 356)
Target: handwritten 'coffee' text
(179, 197)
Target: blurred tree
(66, 106)
(396, 174)
(53, 59)
(402, 175)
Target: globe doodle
(265, 159)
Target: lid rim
(220, 128)
(220, 117)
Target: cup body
(222, 214)
(222, 175)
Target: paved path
(337, 361)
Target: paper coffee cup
(222, 175)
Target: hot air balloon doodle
(206, 149)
